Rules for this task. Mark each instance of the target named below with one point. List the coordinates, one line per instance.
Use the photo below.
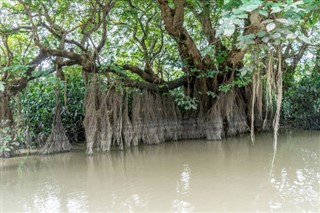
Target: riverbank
(82, 147)
(37, 151)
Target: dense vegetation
(152, 71)
(38, 103)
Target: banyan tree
(165, 70)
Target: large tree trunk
(5, 110)
(6, 121)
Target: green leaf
(225, 88)
(305, 39)
(238, 22)
(275, 9)
(242, 16)
(6, 149)
(284, 21)
(265, 39)
(297, 3)
(277, 42)
(264, 13)
(260, 34)
(2, 86)
(229, 30)
(276, 35)
(208, 51)
(251, 6)
(270, 26)
(291, 36)
(244, 41)
(239, 12)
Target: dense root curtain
(117, 118)
(57, 141)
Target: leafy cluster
(185, 102)
(301, 104)
(9, 142)
(38, 104)
(276, 21)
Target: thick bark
(5, 110)
(6, 120)
(17, 85)
(173, 20)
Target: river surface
(185, 176)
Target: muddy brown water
(185, 176)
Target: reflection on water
(183, 184)
(186, 176)
(77, 202)
(298, 187)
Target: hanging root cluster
(115, 118)
(57, 141)
(266, 95)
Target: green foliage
(278, 30)
(20, 69)
(8, 144)
(38, 104)
(209, 74)
(211, 94)
(225, 88)
(301, 104)
(246, 40)
(184, 101)
(243, 79)
(2, 88)
(6, 139)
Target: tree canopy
(151, 44)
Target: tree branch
(164, 87)
(106, 10)
(173, 20)
(134, 69)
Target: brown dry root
(136, 120)
(57, 141)
(235, 115)
(253, 101)
(127, 133)
(152, 127)
(214, 123)
(227, 117)
(105, 130)
(115, 103)
(155, 118)
(279, 101)
(91, 118)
